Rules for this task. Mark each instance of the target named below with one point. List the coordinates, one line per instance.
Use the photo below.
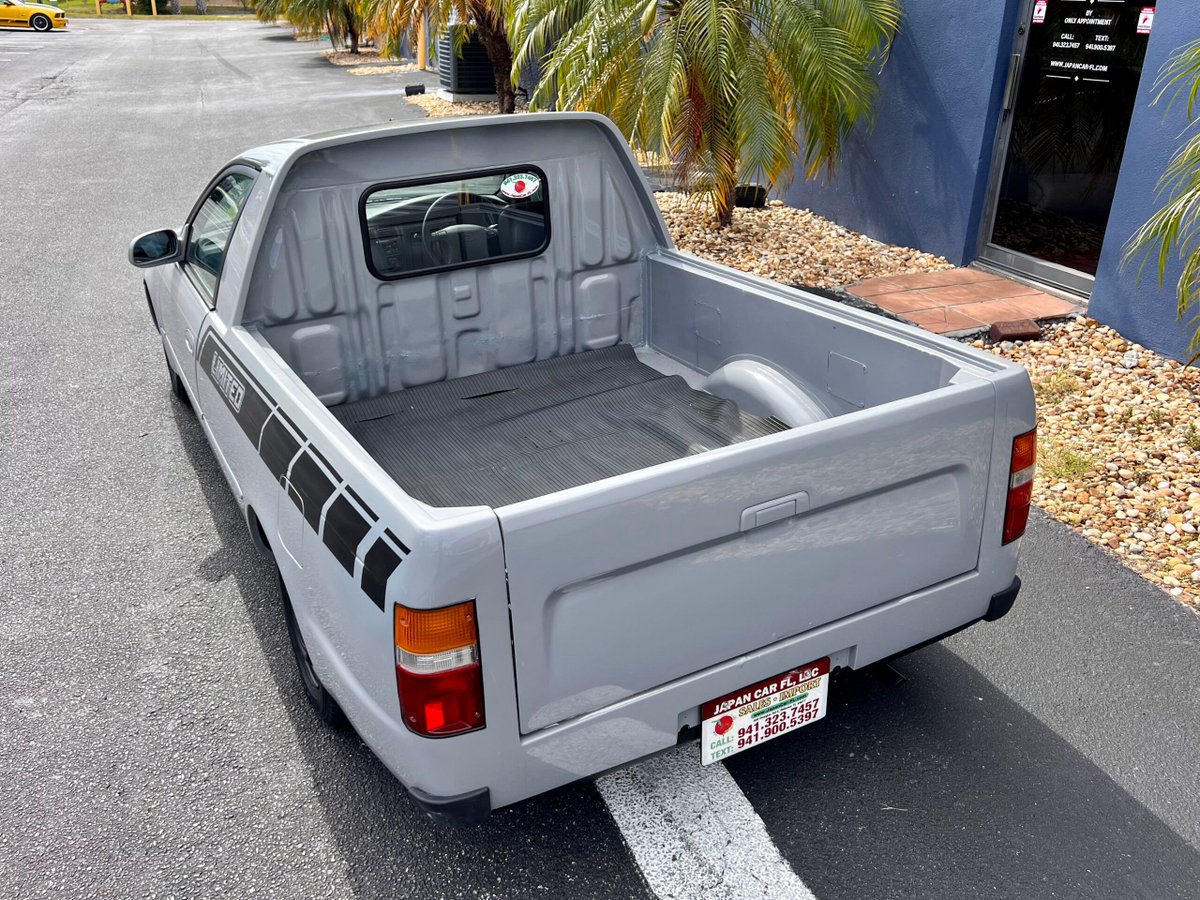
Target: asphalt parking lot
(155, 742)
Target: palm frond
(728, 89)
(1174, 231)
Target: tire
(322, 701)
(40, 23)
(177, 386)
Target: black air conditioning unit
(470, 73)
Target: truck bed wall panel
(705, 321)
(582, 293)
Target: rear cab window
(416, 227)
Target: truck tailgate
(626, 584)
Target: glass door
(1067, 107)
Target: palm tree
(1175, 229)
(488, 19)
(731, 90)
(337, 18)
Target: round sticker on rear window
(520, 186)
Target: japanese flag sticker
(520, 186)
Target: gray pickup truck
(547, 495)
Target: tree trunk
(351, 28)
(725, 216)
(495, 42)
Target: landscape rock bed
(438, 107)
(367, 57)
(1118, 447)
(789, 245)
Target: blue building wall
(1141, 311)
(917, 176)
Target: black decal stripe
(344, 530)
(312, 479)
(399, 543)
(359, 500)
(279, 447)
(253, 415)
(288, 420)
(322, 460)
(378, 565)
(313, 486)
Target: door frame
(1021, 264)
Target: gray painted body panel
(609, 612)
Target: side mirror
(156, 248)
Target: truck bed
(513, 434)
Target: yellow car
(38, 16)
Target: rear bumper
(460, 779)
(470, 808)
(1003, 602)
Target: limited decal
(520, 186)
(228, 384)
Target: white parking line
(694, 834)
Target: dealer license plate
(762, 711)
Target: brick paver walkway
(960, 299)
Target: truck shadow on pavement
(560, 844)
(943, 787)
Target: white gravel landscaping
(436, 107)
(367, 61)
(1119, 447)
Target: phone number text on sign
(763, 711)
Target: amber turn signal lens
(1024, 451)
(424, 631)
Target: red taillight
(1020, 485)
(438, 676)
(442, 704)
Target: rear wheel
(322, 701)
(40, 23)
